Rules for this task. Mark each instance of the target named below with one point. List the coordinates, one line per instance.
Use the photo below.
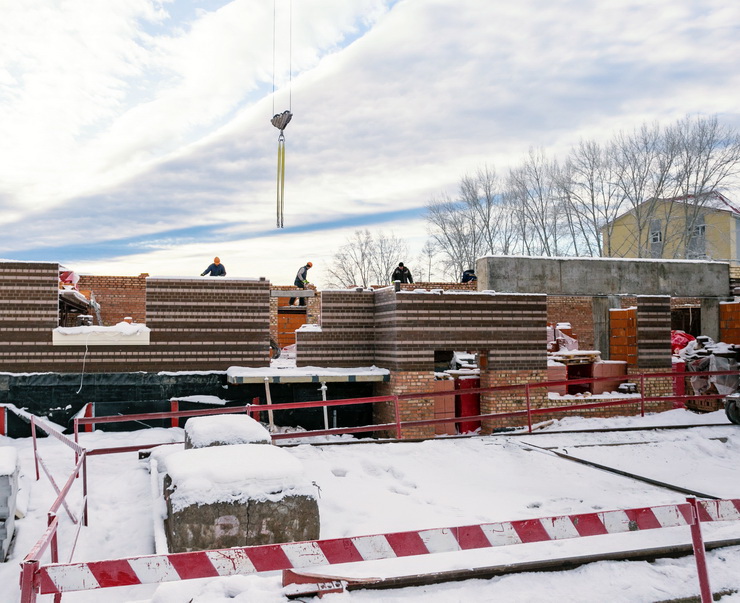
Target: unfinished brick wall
(29, 310)
(654, 331)
(406, 382)
(347, 336)
(197, 324)
(284, 320)
(118, 296)
(579, 312)
(212, 321)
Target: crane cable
(281, 120)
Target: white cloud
(133, 119)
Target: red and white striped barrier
(58, 578)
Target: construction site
(231, 362)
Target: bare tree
(366, 259)
(387, 251)
(535, 193)
(592, 199)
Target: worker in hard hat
(301, 280)
(215, 269)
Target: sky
(377, 488)
(135, 135)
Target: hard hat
(309, 264)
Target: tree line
(546, 207)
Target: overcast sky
(135, 135)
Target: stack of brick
(623, 331)
(8, 495)
(729, 322)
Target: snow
(226, 429)
(290, 370)
(374, 487)
(202, 399)
(8, 460)
(122, 328)
(238, 473)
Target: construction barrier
(149, 569)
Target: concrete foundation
(241, 495)
(230, 524)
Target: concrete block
(241, 495)
(222, 430)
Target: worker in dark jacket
(468, 276)
(215, 269)
(301, 280)
(403, 274)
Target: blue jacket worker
(301, 280)
(215, 269)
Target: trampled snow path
(371, 488)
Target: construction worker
(402, 274)
(215, 269)
(301, 280)
(468, 276)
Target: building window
(656, 236)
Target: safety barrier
(30, 575)
(49, 540)
(149, 569)
(397, 426)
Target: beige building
(702, 227)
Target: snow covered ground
(368, 487)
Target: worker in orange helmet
(301, 280)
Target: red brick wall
(578, 311)
(118, 296)
(405, 382)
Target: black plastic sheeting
(60, 396)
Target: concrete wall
(602, 276)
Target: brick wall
(347, 336)
(405, 382)
(408, 327)
(118, 296)
(29, 310)
(579, 312)
(197, 324)
(654, 331)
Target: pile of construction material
(230, 487)
(8, 496)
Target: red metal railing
(31, 563)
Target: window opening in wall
(698, 242)
(656, 239)
(686, 319)
(443, 360)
